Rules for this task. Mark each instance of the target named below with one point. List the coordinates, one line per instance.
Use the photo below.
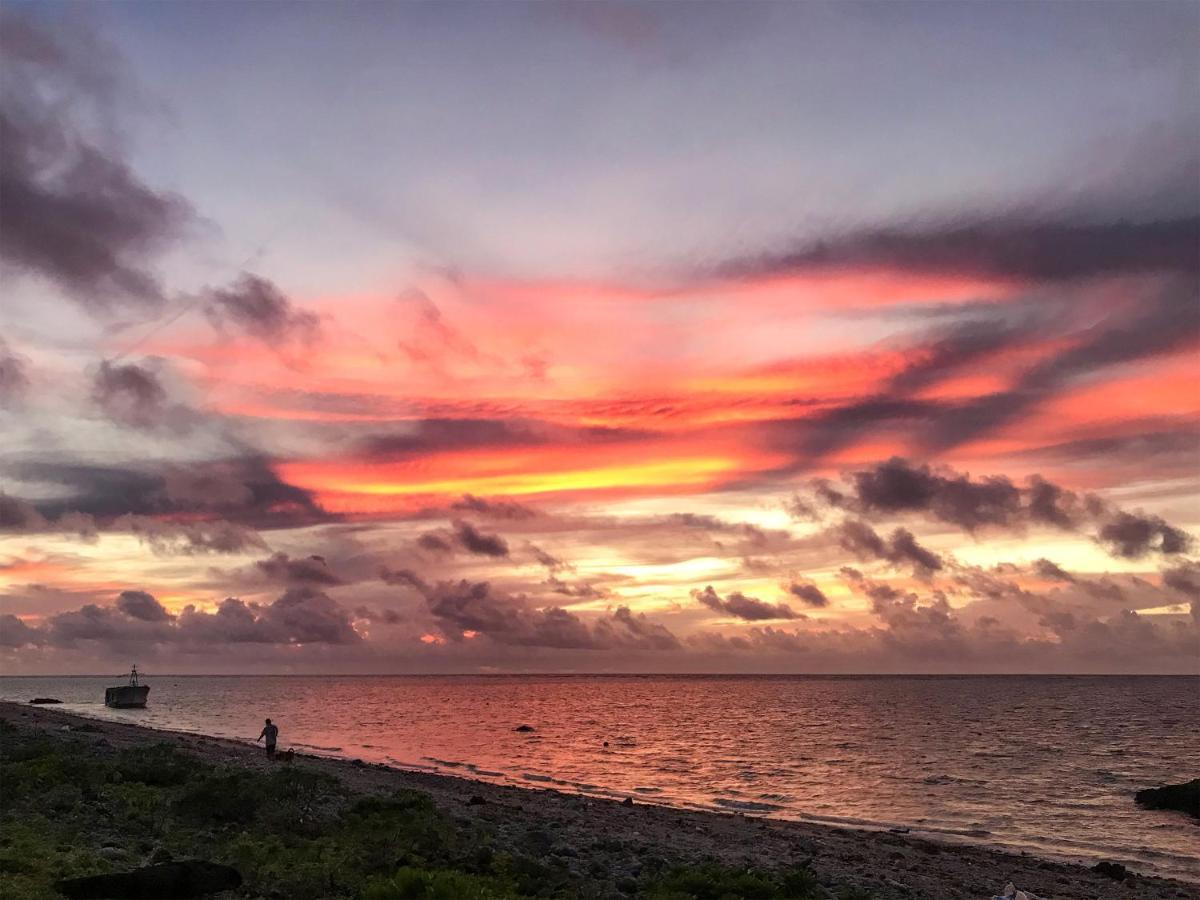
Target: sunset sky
(455, 337)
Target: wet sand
(595, 835)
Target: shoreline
(888, 865)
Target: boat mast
(133, 678)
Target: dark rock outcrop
(168, 881)
(1115, 871)
(1184, 798)
(524, 728)
(42, 701)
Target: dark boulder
(42, 701)
(1184, 798)
(524, 728)
(168, 881)
(1115, 871)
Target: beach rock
(628, 801)
(524, 728)
(168, 881)
(476, 800)
(1184, 798)
(42, 701)
(1115, 871)
(539, 841)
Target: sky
(600, 337)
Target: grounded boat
(127, 696)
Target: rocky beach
(505, 841)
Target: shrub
(160, 765)
(425, 884)
(225, 798)
(712, 881)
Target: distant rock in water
(169, 881)
(42, 701)
(524, 728)
(1184, 798)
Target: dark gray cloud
(214, 486)
(580, 590)
(635, 631)
(279, 567)
(752, 534)
(243, 490)
(1161, 323)
(256, 307)
(169, 538)
(133, 395)
(463, 608)
(493, 508)
(108, 624)
(1184, 578)
(403, 578)
(738, 605)
(808, 593)
(902, 548)
(301, 615)
(480, 543)
(15, 633)
(465, 536)
(924, 636)
(166, 536)
(305, 615)
(550, 561)
(1044, 568)
(143, 606)
(435, 542)
(1131, 536)
(437, 435)
(1169, 443)
(897, 486)
(17, 515)
(1095, 337)
(934, 356)
(1024, 250)
(860, 540)
(74, 212)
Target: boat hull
(129, 696)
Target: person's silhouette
(270, 732)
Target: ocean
(1046, 765)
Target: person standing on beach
(271, 733)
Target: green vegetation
(69, 808)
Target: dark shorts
(270, 749)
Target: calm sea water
(1043, 764)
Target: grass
(70, 808)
